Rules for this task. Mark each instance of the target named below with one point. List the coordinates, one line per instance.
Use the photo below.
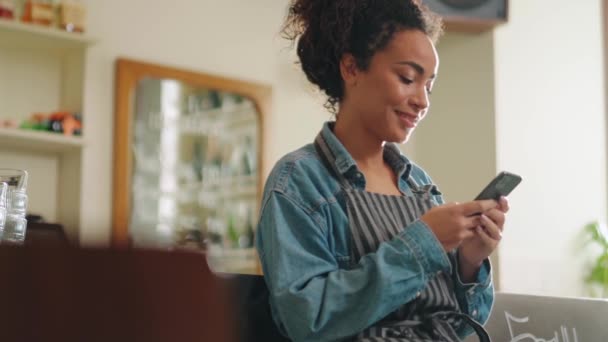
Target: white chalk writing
(563, 335)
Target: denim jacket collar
(345, 163)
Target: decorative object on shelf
(7, 9)
(49, 66)
(72, 16)
(39, 12)
(66, 15)
(36, 122)
(65, 123)
(187, 152)
(597, 278)
(470, 15)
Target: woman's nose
(421, 99)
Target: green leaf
(233, 235)
(599, 272)
(597, 234)
(597, 275)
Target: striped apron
(375, 218)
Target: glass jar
(15, 205)
(3, 205)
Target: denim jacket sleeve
(312, 298)
(475, 299)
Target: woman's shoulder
(301, 174)
(302, 156)
(303, 164)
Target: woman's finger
(497, 216)
(467, 234)
(491, 228)
(483, 235)
(471, 222)
(503, 204)
(476, 207)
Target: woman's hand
(475, 249)
(455, 222)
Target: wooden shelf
(44, 68)
(37, 141)
(17, 34)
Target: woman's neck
(366, 150)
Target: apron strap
(434, 325)
(480, 331)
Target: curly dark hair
(327, 29)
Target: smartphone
(501, 185)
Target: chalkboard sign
(527, 318)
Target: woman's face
(392, 95)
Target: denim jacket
(317, 293)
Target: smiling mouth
(408, 120)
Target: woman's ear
(348, 69)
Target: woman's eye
(405, 80)
(429, 91)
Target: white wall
(550, 119)
(235, 38)
(528, 98)
(455, 142)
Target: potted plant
(597, 277)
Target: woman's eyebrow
(419, 69)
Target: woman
(354, 239)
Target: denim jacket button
(474, 312)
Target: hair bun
(327, 29)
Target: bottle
(16, 206)
(16, 223)
(3, 209)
